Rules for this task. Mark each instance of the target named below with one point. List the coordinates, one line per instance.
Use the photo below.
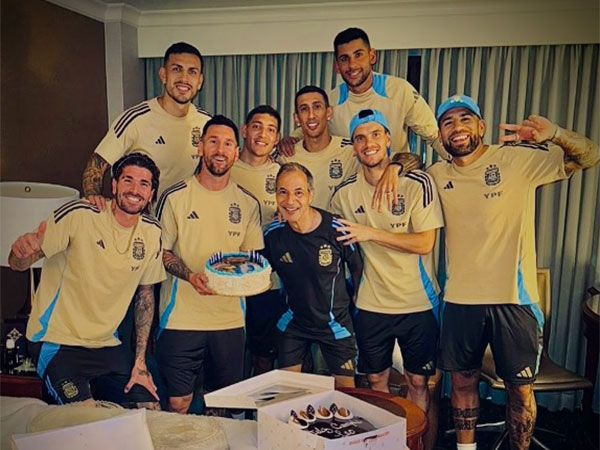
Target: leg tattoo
(521, 413)
(465, 418)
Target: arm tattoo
(465, 418)
(21, 264)
(410, 161)
(175, 266)
(93, 175)
(579, 150)
(144, 311)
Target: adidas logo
(193, 215)
(160, 140)
(525, 373)
(428, 366)
(286, 258)
(101, 244)
(348, 365)
(359, 210)
(449, 185)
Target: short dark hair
(264, 109)
(219, 119)
(308, 89)
(291, 166)
(183, 47)
(349, 35)
(140, 160)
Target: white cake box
(128, 431)
(256, 392)
(275, 433)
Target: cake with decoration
(238, 273)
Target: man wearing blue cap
(398, 295)
(488, 197)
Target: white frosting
(250, 275)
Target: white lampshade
(23, 206)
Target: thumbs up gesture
(30, 244)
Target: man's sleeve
(419, 116)
(117, 141)
(254, 236)
(60, 226)
(335, 204)
(155, 270)
(168, 223)
(541, 163)
(427, 211)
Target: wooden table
(416, 422)
(21, 385)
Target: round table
(416, 422)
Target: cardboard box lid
(268, 388)
(125, 432)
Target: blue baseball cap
(458, 101)
(366, 116)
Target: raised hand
(534, 129)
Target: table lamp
(23, 206)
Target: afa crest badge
(69, 389)
(335, 169)
(325, 255)
(270, 184)
(399, 207)
(196, 135)
(138, 250)
(492, 175)
(235, 213)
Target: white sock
(472, 446)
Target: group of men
(342, 196)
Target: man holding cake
(398, 298)
(202, 215)
(311, 265)
(256, 172)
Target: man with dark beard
(488, 199)
(166, 128)
(95, 260)
(202, 215)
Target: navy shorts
(262, 313)
(184, 355)
(416, 333)
(514, 332)
(67, 370)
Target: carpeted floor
(581, 431)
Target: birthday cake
(238, 274)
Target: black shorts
(376, 333)
(67, 370)
(514, 332)
(262, 313)
(339, 354)
(183, 355)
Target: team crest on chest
(138, 250)
(335, 169)
(270, 184)
(235, 213)
(398, 208)
(492, 175)
(325, 255)
(196, 135)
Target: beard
(181, 100)
(465, 149)
(130, 209)
(360, 81)
(217, 171)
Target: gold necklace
(115, 240)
